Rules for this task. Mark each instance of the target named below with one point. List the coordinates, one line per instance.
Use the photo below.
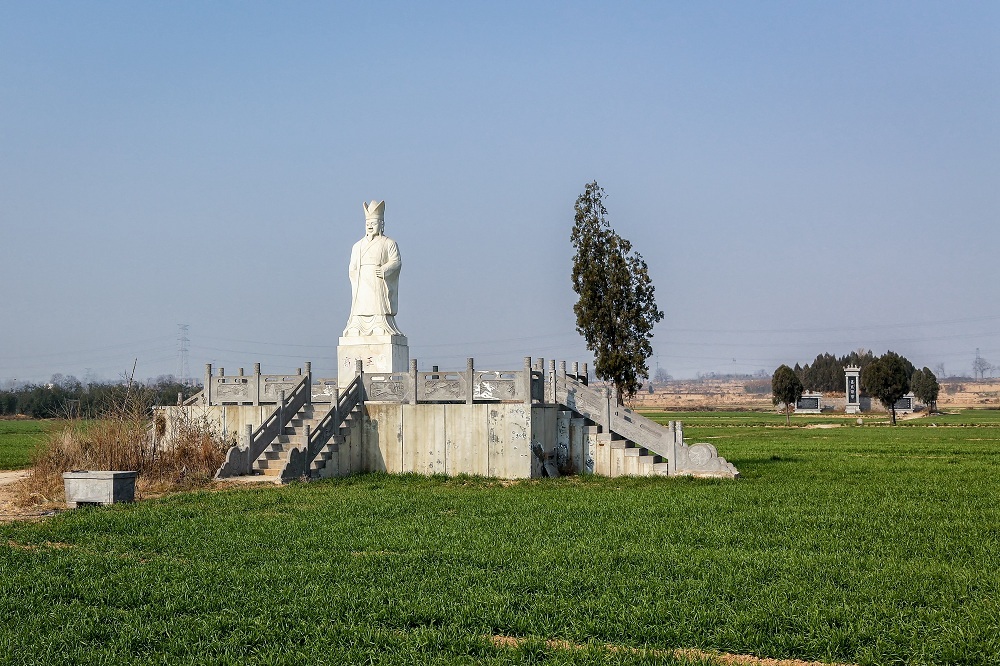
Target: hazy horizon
(800, 177)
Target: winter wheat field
(841, 543)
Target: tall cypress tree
(616, 310)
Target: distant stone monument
(852, 373)
(371, 334)
(811, 402)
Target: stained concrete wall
(490, 439)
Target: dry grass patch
(124, 437)
(687, 655)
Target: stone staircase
(629, 459)
(626, 443)
(274, 458)
(274, 461)
(327, 462)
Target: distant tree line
(65, 397)
(886, 378)
(826, 373)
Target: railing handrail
(347, 401)
(273, 425)
(644, 431)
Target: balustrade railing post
(309, 382)
(586, 375)
(256, 383)
(560, 378)
(281, 411)
(359, 370)
(413, 381)
(470, 374)
(208, 384)
(551, 397)
(249, 467)
(527, 382)
(336, 408)
(607, 409)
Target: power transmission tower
(981, 366)
(182, 352)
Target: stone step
(297, 430)
(661, 467)
(320, 461)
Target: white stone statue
(374, 271)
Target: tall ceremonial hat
(375, 210)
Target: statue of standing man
(374, 272)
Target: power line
(84, 352)
(827, 329)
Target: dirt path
(12, 476)
(10, 492)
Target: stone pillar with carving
(852, 378)
(371, 335)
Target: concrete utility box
(98, 487)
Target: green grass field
(853, 544)
(17, 441)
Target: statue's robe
(372, 295)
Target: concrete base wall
(483, 439)
(502, 440)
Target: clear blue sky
(801, 177)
